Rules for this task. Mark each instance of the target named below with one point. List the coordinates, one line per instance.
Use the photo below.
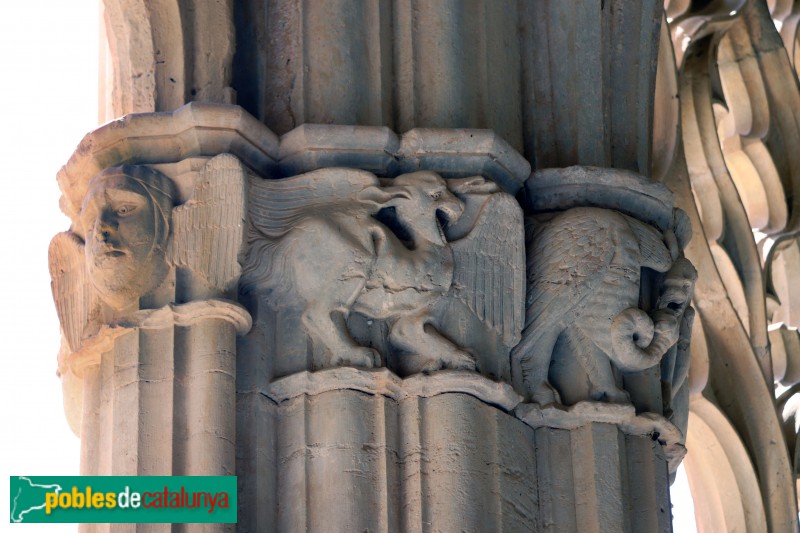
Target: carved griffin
(583, 314)
(336, 243)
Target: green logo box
(123, 499)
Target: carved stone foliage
(371, 272)
(593, 313)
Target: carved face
(126, 216)
(431, 195)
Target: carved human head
(126, 217)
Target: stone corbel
(385, 250)
(300, 274)
(608, 313)
(146, 282)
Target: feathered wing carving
(208, 229)
(654, 254)
(489, 267)
(583, 295)
(571, 259)
(276, 206)
(568, 262)
(70, 284)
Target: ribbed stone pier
(418, 279)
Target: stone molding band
(202, 129)
(189, 314)
(181, 315)
(383, 382)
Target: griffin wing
(489, 267)
(278, 205)
(70, 284)
(568, 258)
(208, 228)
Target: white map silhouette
(18, 516)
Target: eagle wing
(568, 258)
(70, 285)
(489, 267)
(654, 253)
(208, 228)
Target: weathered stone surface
(461, 153)
(197, 129)
(594, 318)
(582, 95)
(448, 461)
(566, 83)
(160, 61)
(149, 363)
(452, 153)
(624, 417)
(138, 247)
(126, 218)
(314, 146)
(558, 189)
(366, 275)
(739, 108)
(412, 272)
(386, 383)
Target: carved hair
(159, 188)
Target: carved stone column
(458, 432)
(605, 347)
(440, 341)
(386, 298)
(146, 287)
(383, 384)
